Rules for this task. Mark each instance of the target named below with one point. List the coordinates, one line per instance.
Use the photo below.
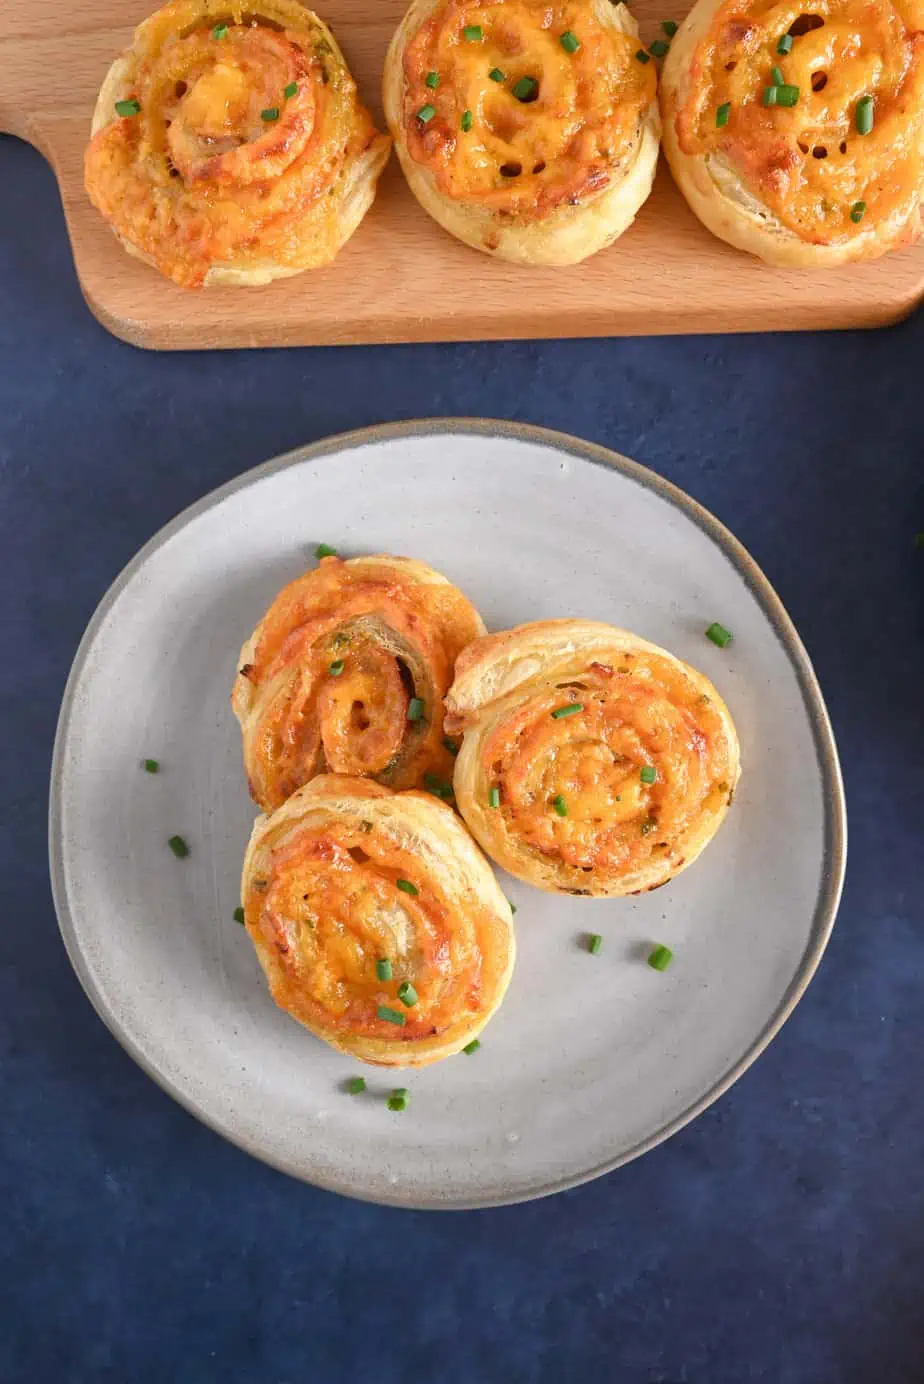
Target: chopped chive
(570, 709)
(406, 886)
(438, 787)
(787, 95)
(415, 709)
(151, 766)
(383, 968)
(768, 96)
(669, 27)
(399, 1099)
(659, 958)
(471, 1047)
(719, 634)
(863, 116)
(776, 76)
(220, 31)
(325, 550)
(473, 33)
(722, 114)
(450, 745)
(390, 1016)
(178, 846)
(560, 806)
(526, 89)
(857, 211)
(643, 56)
(336, 668)
(595, 944)
(659, 48)
(127, 107)
(569, 41)
(239, 916)
(426, 114)
(290, 90)
(432, 80)
(270, 114)
(496, 75)
(356, 1085)
(785, 45)
(465, 123)
(407, 994)
(494, 797)
(649, 773)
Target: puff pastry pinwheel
(527, 128)
(593, 762)
(799, 136)
(377, 921)
(346, 673)
(229, 145)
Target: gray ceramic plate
(591, 1060)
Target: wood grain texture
(401, 278)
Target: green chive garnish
(390, 1016)
(594, 944)
(450, 745)
(857, 211)
(220, 31)
(432, 80)
(415, 709)
(151, 766)
(776, 76)
(324, 550)
(127, 107)
(239, 916)
(383, 969)
(399, 1099)
(406, 886)
(864, 115)
(722, 114)
(407, 994)
(426, 114)
(785, 45)
(473, 33)
(669, 27)
(496, 75)
(290, 90)
(659, 958)
(270, 114)
(526, 89)
(178, 846)
(466, 122)
(471, 1047)
(649, 773)
(643, 56)
(438, 787)
(560, 806)
(570, 710)
(787, 95)
(356, 1085)
(659, 48)
(719, 634)
(336, 668)
(494, 797)
(570, 42)
(768, 96)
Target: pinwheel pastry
(799, 136)
(593, 762)
(229, 145)
(346, 673)
(377, 921)
(528, 128)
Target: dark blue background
(780, 1238)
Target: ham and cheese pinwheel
(229, 145)
(799, 136)
(528, 129)
(378, 923)
(593, 762)
(346, 673)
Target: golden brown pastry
(346, 673)
(526, 128)
(593, 762)
(378, 923)
(798, 135)
(229, 145)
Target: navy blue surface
(779, 1238)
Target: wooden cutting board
(401, 278)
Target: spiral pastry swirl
(593, 762)
(378, 923)
(229, 144)
(346, 673)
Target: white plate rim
(835, 812)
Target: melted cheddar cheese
(561, 141)
(808, 163)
